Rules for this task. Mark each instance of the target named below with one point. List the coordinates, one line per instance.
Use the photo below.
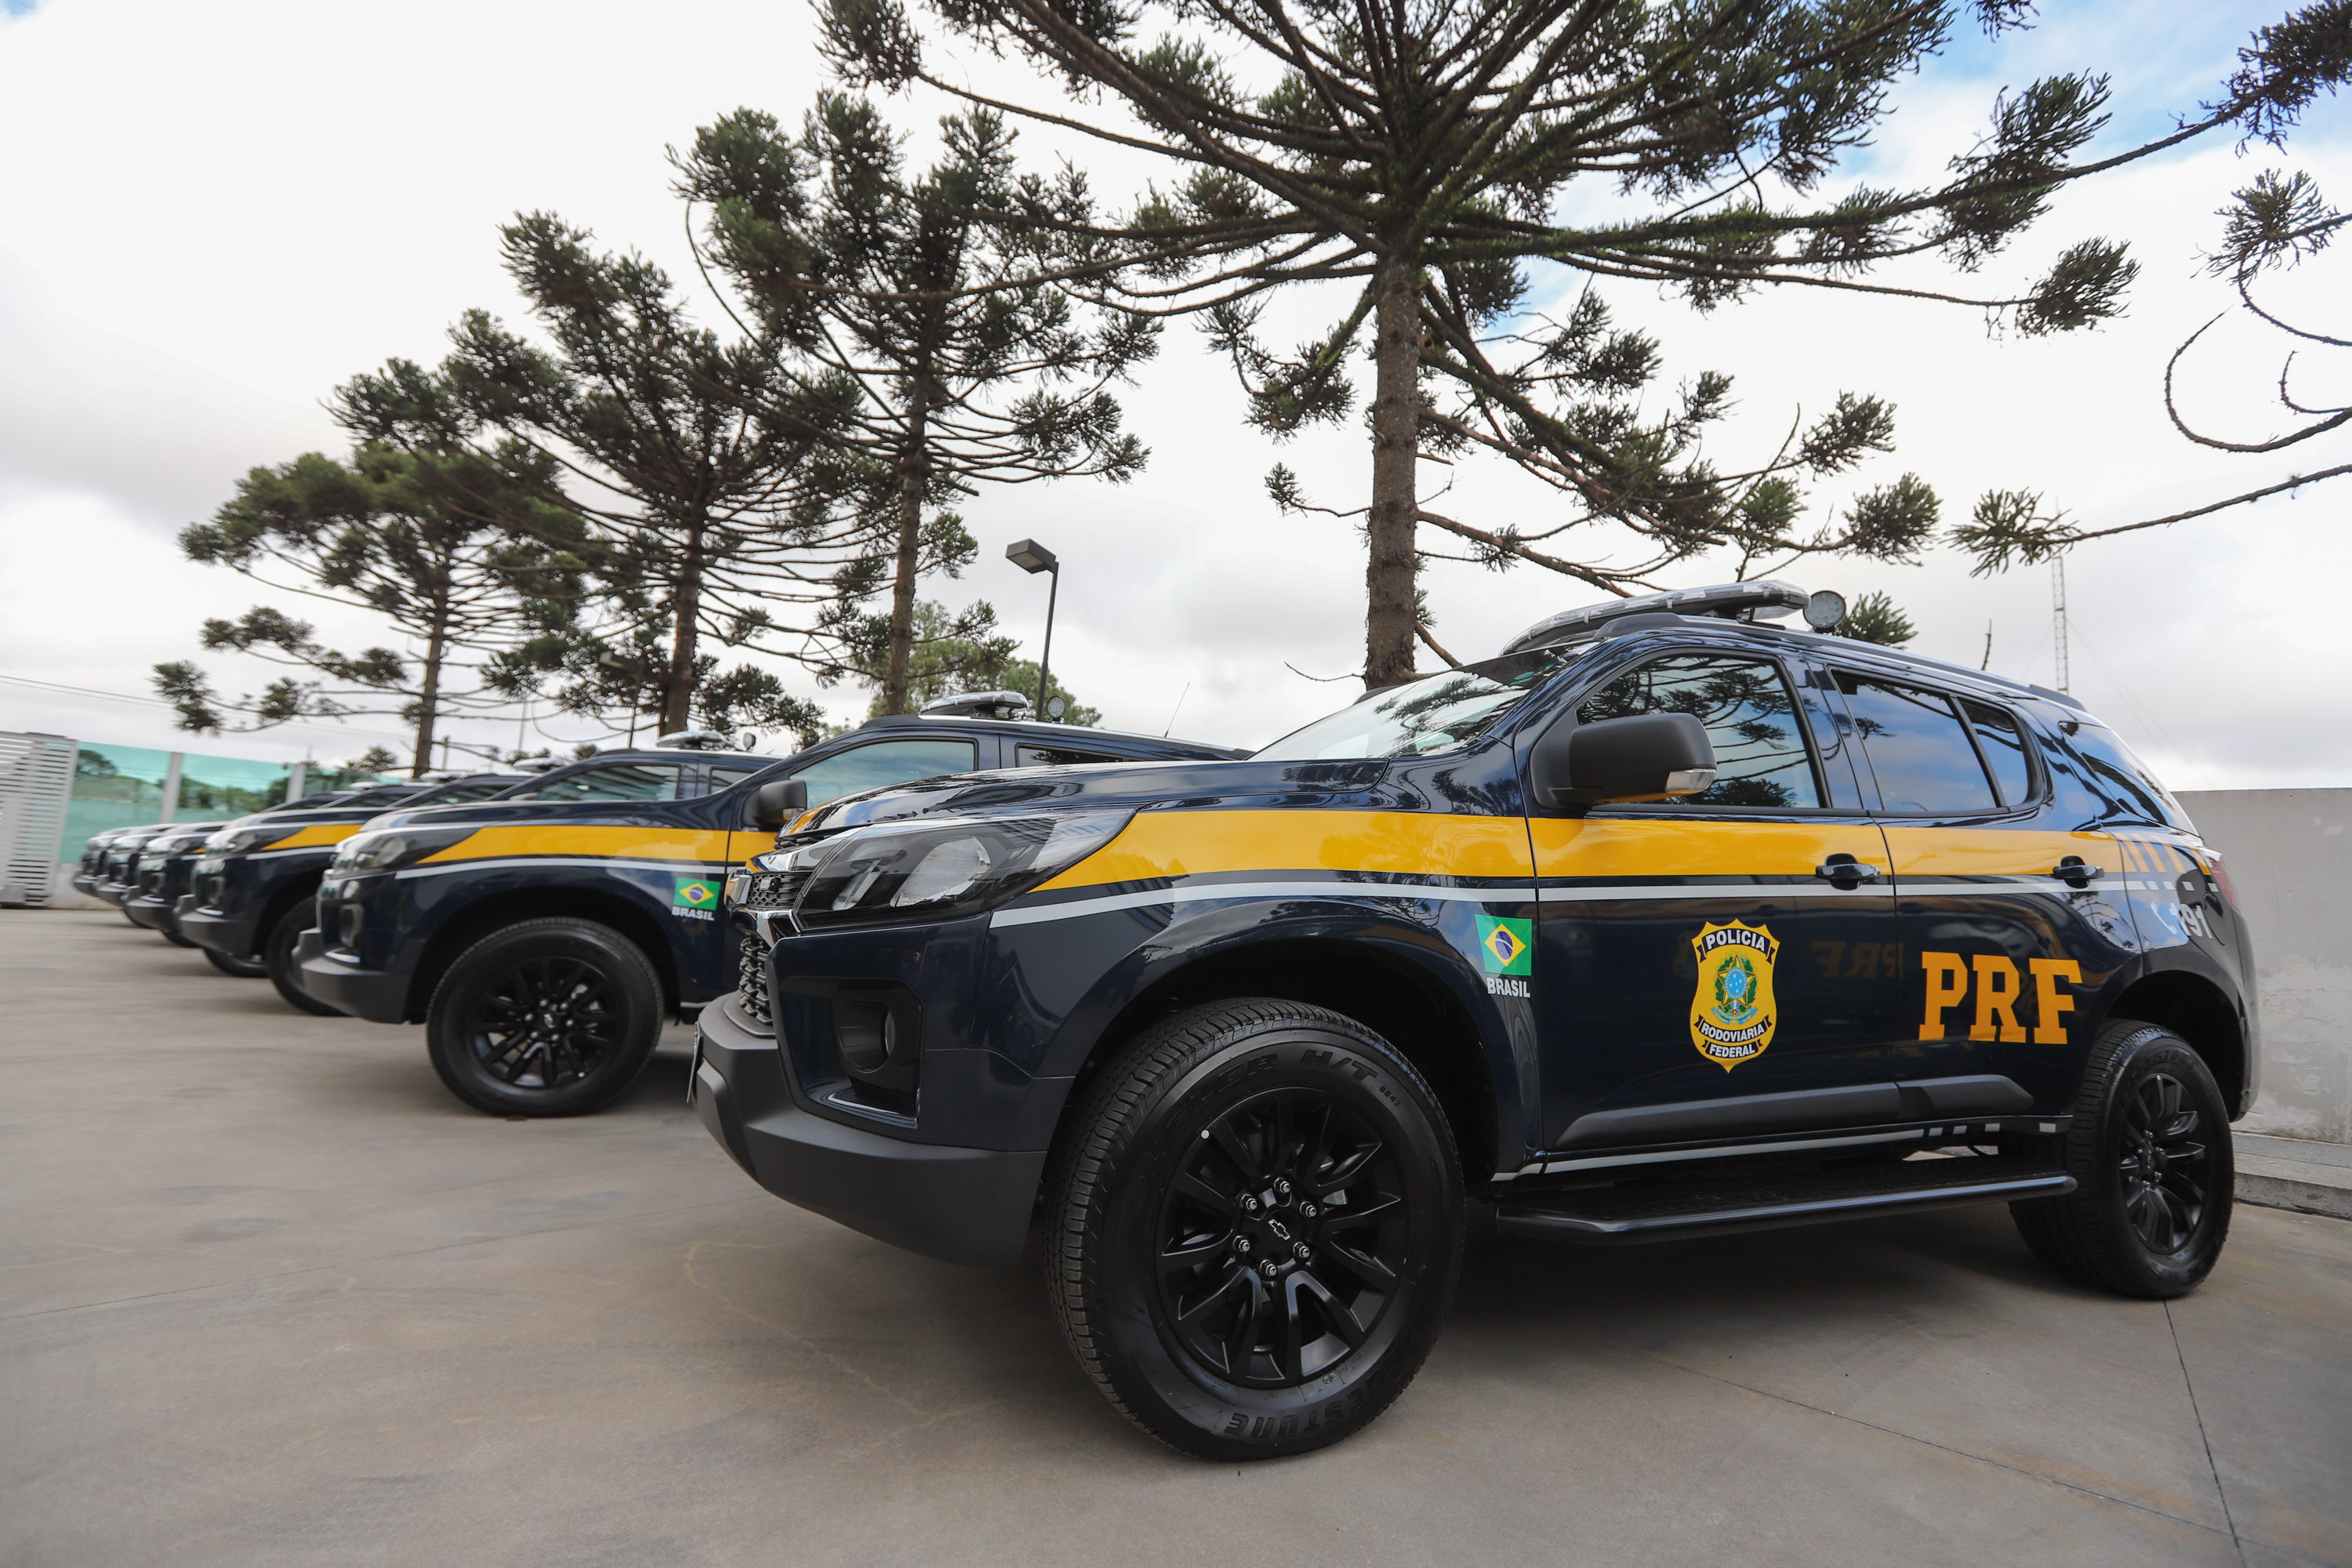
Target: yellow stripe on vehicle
(1655, 846)
(1997, 851)
(318, 833)
(595, 842)
(1160, 845)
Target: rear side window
(2122, 779)
(1057, 757)
(1760, 758)
(616, 780)
(1924, 761)
(725, 778)
(2002, 746)
(884, 762)
(388, 796)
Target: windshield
(1428, 715)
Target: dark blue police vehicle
(1664, 922)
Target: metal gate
(37, 774)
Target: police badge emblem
(1733, 1013)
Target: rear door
(2012, 909)
(1697, 975)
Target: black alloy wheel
(1281, 1236)
(546, 1017)
(243, 968)
(1254, 1225)
(277, 953)
(2150, 1155)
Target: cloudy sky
(210, 215)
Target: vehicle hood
(1360, 784)
(458, 814)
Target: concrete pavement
(268, 1295)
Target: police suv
(1664, 922)
(543, 938)
(252, 890)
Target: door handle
(2078, 871)
(1848, 872)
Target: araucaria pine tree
(391, 533)
(692, 474)
(1428, 158)
(929, 294)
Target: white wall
(2289, 854)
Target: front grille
(774, 889)
(751, 979)
(151, 882)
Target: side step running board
(1669, 1210)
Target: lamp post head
(1031, 556)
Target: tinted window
(385, 796)
(723, 776)
(1751, 718)
(1917, 749)
(882, 762)
(451, 795)
(2122, 779)
(2003, 748)
(616, 781)
(1425, 716)
(1057, 757)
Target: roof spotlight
(1824, 608)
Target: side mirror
(1649, 757)
(775, 804)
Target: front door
(2012, 903)
(1704, 971)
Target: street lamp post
(1033, 557)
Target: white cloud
(216, 213)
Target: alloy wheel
(1282, 1238)
(545, 1022)
(2163, 1162)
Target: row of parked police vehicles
(1666, 921)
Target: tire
(2150, 1155)
(277, 953)
(1212, 1356)
(243, 968)
(599, 1015)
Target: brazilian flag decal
(1506, 947)
(694, 893)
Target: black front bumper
(231, 934)
(153, 913)
(964, 1206)
(85, 884)
(374, 994)
(115, 893)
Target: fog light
(865, 1033)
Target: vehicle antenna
(1178, 708)
(2058, 619)
(1987, 663)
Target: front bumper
(959, 1204)
(115, 893)
(230, 934)
(85, 884)
(155, 914)
(370, 994)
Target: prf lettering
(1998, 987)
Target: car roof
(1042, 734)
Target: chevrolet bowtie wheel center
(548, 1017)
(1255, 1228)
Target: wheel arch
(1378, 985)
(468, 925)
(2200, 1011)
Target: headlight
(937, 868)
(237, 840)
(392, 847)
